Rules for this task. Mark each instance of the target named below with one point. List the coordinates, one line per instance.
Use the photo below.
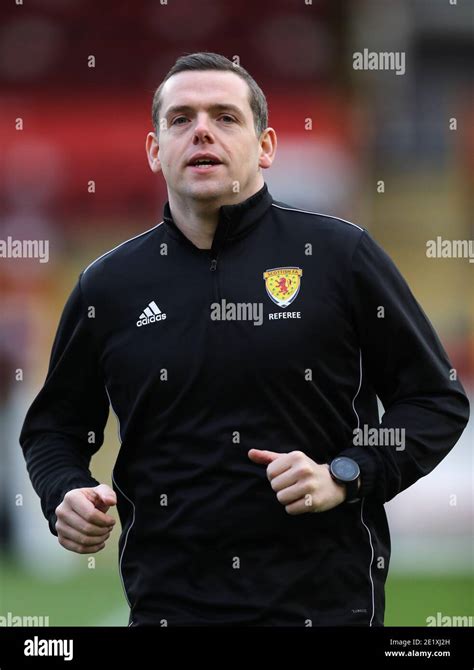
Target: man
(242, 344)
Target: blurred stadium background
(84, 123)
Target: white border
(327, 216)
(120, 245)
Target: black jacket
(325, 323)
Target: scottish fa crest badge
(283, 284)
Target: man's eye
(178, 118)
(226, 117)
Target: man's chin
(212, 190)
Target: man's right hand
(82, 523)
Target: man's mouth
(204, 162)
(204, 165)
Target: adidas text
(150, 314)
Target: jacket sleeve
(65, 424)
(410, 372)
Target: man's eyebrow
(217, 107)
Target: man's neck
(198, 220)
(198, 223)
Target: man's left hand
(301, 484)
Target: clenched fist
(301, 484)
(82, 523)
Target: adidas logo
(150, 314)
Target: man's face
(208, 112)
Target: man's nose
(202, 131)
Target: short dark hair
(211, 61)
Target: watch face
(345, 469)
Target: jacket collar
(235, 221)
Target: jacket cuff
(369, 470)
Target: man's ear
(152, 148)
(268, 145)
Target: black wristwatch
(346, 471)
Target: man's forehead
(205, 88)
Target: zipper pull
(214, 264)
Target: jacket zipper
(217, 245)
(215, 278)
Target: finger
(285, 480)
(291, 494)
(102, 497)
(299, 507)
(107, 494)
(81, 539)
(80, 549)
(279, 466)
(72, 520)
(263, 456)
(86, 510)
